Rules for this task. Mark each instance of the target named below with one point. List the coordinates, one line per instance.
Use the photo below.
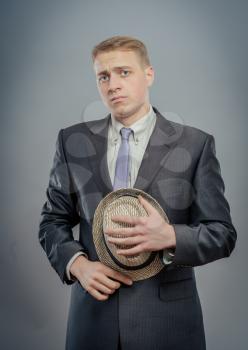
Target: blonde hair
(125, 43)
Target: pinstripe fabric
(162, 312)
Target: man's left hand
(149, 233)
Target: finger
(109, 283)
(120, 277)
(127, 231)
(133, 220)
(100, 287)
(148, 207)
(132, 251)
(126, 241)
(99, 296)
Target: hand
(149, 233)
(96, 277)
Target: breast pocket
(177, 289)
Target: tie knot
(125, 133)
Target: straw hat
(124, 201)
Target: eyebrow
(115, 69)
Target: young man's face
(121, 74)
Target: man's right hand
(97, 278)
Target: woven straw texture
(124, 202)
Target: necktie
(122, 162)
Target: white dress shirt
(138, 140)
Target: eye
(102, 78)
(125, 71)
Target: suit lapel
(98, 162)
(156, 152)
(154, 157)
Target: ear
(149, 72)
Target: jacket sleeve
(59, 215)
(210, 234)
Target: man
(174, 163)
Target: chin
(123, 111)
(120, 112)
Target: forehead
(107, 61)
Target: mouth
(118, 99)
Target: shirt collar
(138, 127)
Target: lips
(118, 98)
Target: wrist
(169, 237)
(81, 259)
(172, 235)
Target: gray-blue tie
(122, 162)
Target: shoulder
(193, 140)
(180, 133)
(83, 126)
(191, 131)
(190, 135)
(78, 138)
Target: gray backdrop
(199, 53)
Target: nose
(114, 83)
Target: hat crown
(130, 206)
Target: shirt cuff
(68, 274)
(168, 255)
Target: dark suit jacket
(180, 170)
